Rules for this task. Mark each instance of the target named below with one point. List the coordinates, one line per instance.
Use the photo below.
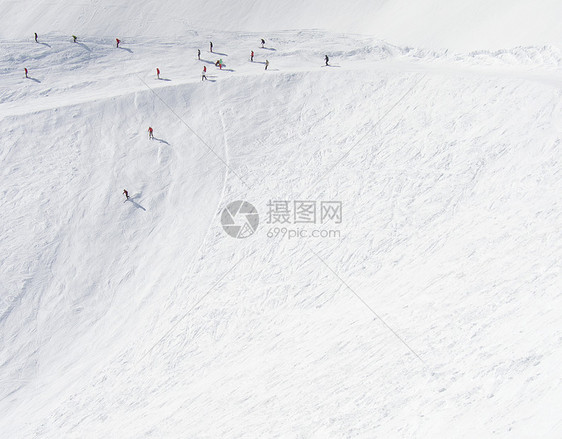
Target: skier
(252, 56)
(157, 72)
(25, 72)
(118, 41)
(199, 54)
(74, 38)
(204, 74)
(126, 194)
(220, 63)
(266, 64)
(262, 43)
(326, 59)
(36, 37)
(150, 133)
(211, 46)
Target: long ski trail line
(226, 173)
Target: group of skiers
(74, 38)
(36, 38)
(219, 63)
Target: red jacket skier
(158, 72)
(252, 56)
(150, 133)
(25, 72)
(118, 41)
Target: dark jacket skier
(326, 59)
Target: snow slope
(435, 313)
(460, 24)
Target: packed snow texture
(435, 311)
(459, 24)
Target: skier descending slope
(126, 194)
(74, 38)
(157, 72)
(118, 41)
(204, 74)
(150, 133)
(199, 54)
(25, 72)
(252, 56)
(211, 46)
(36, 37)
(266, 64)
(326, 59)
(262, 43)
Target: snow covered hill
(431, 308)
(459, 24)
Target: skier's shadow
(124, 48)
(269, 48)
(137, 205)
(45, 44)
(34, 79)
(83, 46)
(160, 140)
(220, 54)
(164, 79)
(228, 70)
(207, 61)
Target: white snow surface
(436, 312)
(459, 24)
